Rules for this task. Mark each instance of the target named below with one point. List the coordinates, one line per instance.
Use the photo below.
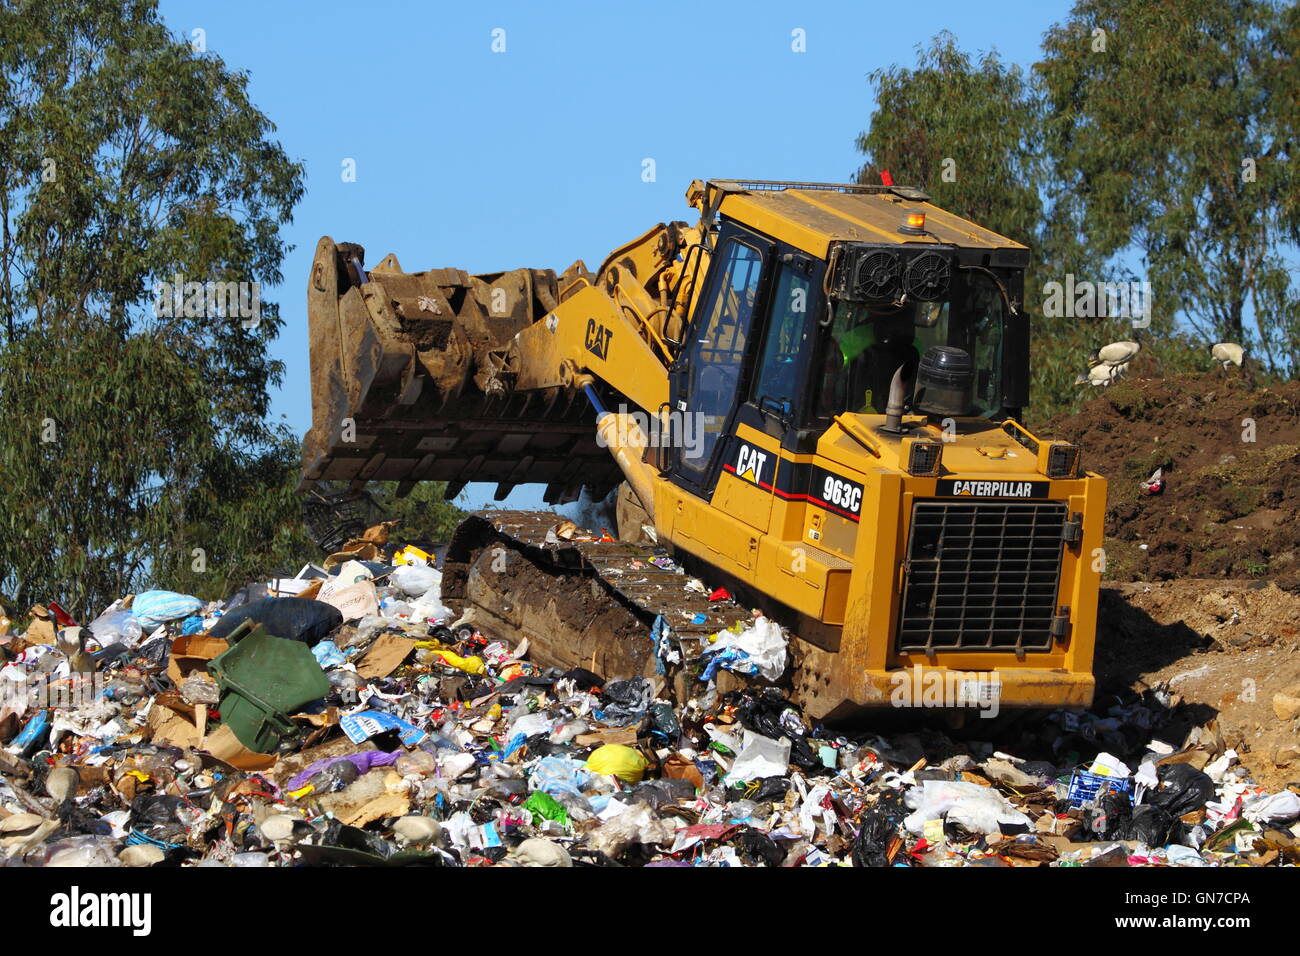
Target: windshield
(870, 341)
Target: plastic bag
(414, 580)
(158, 607)
(1275, 808)
(545, 807)
(295, 619)
(879, 827)
(1183, 789)
(978, 809)
(759, 649)
(1148, 825)
(531, 724)
(620, 761)
(760, 757)
(625, 701)
(638, 825)
(470, 665)
(117, 627)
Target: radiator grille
(981, 576)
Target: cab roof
(810, 216)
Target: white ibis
(1228, 353)
(1101, 374)
(72, 642)
(1117, 353)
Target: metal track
(641, 579)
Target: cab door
(710, 372)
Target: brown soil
(1230, 507)
(1221, 649)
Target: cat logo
(598, 339)
(749, 464)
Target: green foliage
(966, 131)
(1129, 140)
(1176, 138)
(422, 516)
(970, 131)
(129, 436)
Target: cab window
(777, 381)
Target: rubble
(297, 730)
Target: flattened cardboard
(192, 652)
(385, 656)
(225, 746)
(354, 601)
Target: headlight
(923, 458)
(1063, 460)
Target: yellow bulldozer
(811, 398)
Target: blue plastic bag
(153, 608)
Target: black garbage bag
(770, 714)
(1183, 789)
(771, 789)
(584, 679)
(879, 826)
(152, 654)
(803, 756)
(660, 793)
(1149, 825)
(664, 721)
(295, 619)
(354, 838)
(757, 848)
(1110, 817)
(625, 702)
(151, 810)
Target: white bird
(1228, 353)
(1117, 353)
(1101, 374)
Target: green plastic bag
(543, 806)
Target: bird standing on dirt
(1228, 353)
(1115, 354)
(1101, 374)
(1108, 363)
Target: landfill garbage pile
(342, 717)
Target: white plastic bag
(765, 645)
(762, 644)
(415, 580)
(978, 809)
(1274, 808)
(760, 757)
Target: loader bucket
(411, 381)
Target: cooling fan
(927, 277)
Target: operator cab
(783, 341)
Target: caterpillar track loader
(811, 397)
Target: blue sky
(533, 156)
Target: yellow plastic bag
(623, 762)
(470, 665)
(411, 551)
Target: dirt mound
(1220, 649)
(1231, 460)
